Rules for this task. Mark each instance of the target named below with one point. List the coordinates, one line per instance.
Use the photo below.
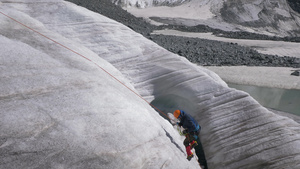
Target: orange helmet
(176, 113)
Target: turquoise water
(287, 100)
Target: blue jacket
(188, 122)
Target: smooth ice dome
(61, 106)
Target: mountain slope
(270, 16)
(274, 18)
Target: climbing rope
(86, 59)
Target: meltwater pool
(286, 100)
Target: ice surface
(186, 11)
(147, 3)
(61, 110)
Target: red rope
(86, 59)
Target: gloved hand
(179, 124)
(185, 132)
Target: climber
(191, 132)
